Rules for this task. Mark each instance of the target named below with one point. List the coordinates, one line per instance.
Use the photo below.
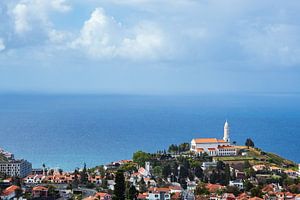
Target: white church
(214, 146)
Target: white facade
(159, 196)
(214, 146)
(20, 168)
(237, 183)
(226, 136)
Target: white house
(214, 146)
(159, 194)
(237, 183)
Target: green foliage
(201, 189)
(157, 171)
(199, 172)
(132, 193)
(166, 171)
(249, 143)
(173, 148)
(142, 186)
(84, 175)
(141, 157)
(233, 189)
(256, 192)
(129, 167)
(119, 192)
(248, 185)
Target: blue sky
(149, 46)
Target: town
(205, 168)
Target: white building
(214, 146)
(20, 168)
(34, 179)
(159, 194)
(237, 183)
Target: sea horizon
(66, 131)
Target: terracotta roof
(199, 149)
(211, 149)
(40, 188)
(101, 194)
(159, 189)
(214, 187)
(208, 140)
(142, 196)
(256, 198)
(10, 190)
(89, 198)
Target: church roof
(208, 140)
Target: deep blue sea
(67, 130)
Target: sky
(149, 46)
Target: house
(237, 183)
(191, 185)
(111, 184)
(243, 196)
(228, 196)
(275, 169)
(256, 198)
(214, 146)
(95, 179)
(175, 189)
(39, 192)
(103, 196)
(34, 179)
(10, 192)
(213, 188)
(297, 197)
(291, 173)
(259, 167)
(208, 165)
(159, 193)
(142, 196)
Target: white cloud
(58, 37)
(28, 15)
(2, 45)
(60, 5)
(103, 37)
(273, 43)
(20, 13)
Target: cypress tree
(119, 192)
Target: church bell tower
(226, 132)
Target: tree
(141, 157)
(132, 193)
(256, 192)
(142, 186)
(75, 182)
(201, 189)
(227, 174)
(232, 189)
(173, 148)
(199, 172)
(157, 171)
(166, 171)
(84, 175)
(249, 143)
(119, 192)
(184, 147)
(248, 185)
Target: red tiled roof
(101, 194)
(39, 188)
(10, 190)
(208, 140)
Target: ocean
(67, 131)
